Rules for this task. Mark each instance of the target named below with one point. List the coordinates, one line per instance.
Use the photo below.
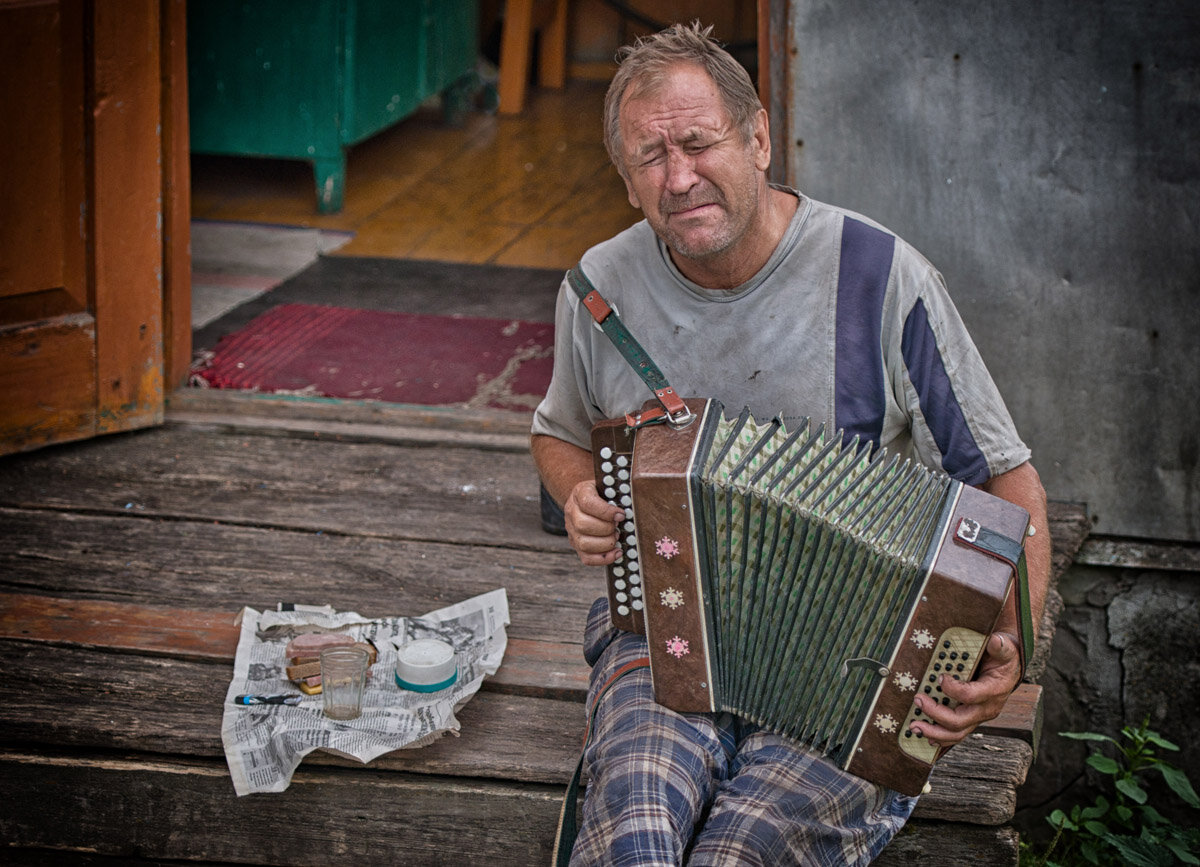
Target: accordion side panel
(677, 632)
(964, 595)
(612, 457)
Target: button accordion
(805, 584)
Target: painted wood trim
(126, 215)
(176, 195)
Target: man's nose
(681, 172)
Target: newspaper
(265, 743)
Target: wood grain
(126, 561)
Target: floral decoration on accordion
(666, 547)
(677, 647)
(905, 681)
(886, 723)
(922, 638)
(671, 597)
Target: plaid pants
(666, 788)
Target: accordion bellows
(806, 584)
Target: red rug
(394, 357)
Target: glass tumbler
(343, 675)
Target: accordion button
(626, 501)
(637, 605)
(606, 467)
(610, 493)
(609, 481)
(621, 597)
(635, 578)
(623, 475)
(623, 610)
(619, 584)
(606, 453)
(635, 592)
(633, 552)
(622, 461)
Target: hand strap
(610, 323)
(1012, 552)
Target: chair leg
(552, 56)
(514, 55)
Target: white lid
(425, 662)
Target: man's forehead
(686, 114)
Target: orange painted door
(93, 217)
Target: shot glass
(343, 674)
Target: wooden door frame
(775, 82)
(176, 197)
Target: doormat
(340, 352)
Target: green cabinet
(306, 79)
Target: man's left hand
(979, 700)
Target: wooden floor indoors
(535, 189)
(126, 559)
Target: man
(757, 296)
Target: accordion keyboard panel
(612, 455)
(957, 655)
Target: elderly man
(757, 296)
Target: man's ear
(762, 141)
(633, 199)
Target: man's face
(697, 182)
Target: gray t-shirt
(845, 324)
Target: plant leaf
(1180, 784)
(1181, 852)
(1097, 828)
(1086, 736)
(1103, 764)
(1158, 740)
(1139, 853)
(1059, 819)
(1130, 789)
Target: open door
(94, 276)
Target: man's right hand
(592, 525)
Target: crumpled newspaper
(264, 744)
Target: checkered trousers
(668, 788)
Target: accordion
(808, 585)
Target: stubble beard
(731, 229)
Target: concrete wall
(1127, 649)
(1046, 158)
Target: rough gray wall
(1127, 649)
(1046, 158)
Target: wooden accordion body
(803, 584)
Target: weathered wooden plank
(935, 845)
(89, 699)
(540, 668)
(249, 406)
(187, 810)
(464, 495)
(537, 668)
(214, 566)
(129, 806)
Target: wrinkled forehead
(683, 94)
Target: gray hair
(644, 65)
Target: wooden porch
(127, 558)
